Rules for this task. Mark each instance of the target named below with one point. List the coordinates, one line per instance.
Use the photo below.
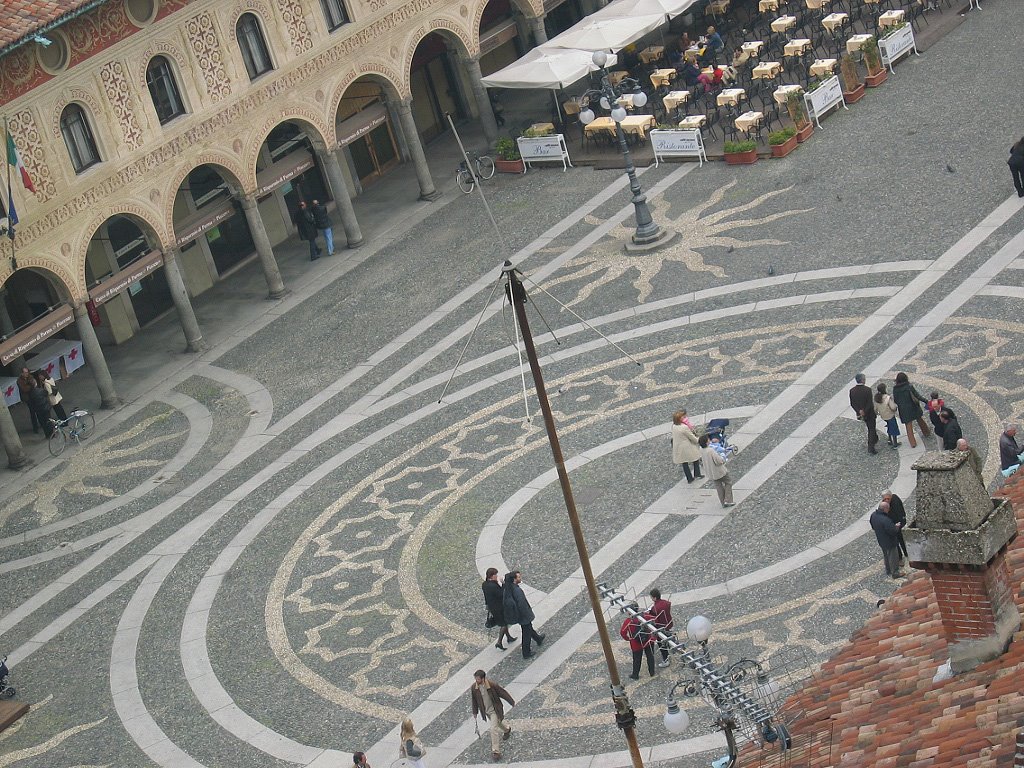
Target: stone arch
(467, 42)
(324, 132)
(54, 271)
(394, 85)
(227, 166)
(147, 219)
(525, 7)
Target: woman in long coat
(908, 403)
(685, 450)
(494, 600)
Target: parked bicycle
(77, 426)
(482, 167)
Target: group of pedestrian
(888, 521)
(695, 453)
(40, 393)
(507, 604)
(904, 404)
(313, 220)
(637, 630)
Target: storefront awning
(361, 123)
(203, 220)
(35, 333)
(109, 287)
(283, 171)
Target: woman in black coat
(39, 404)
(494, 600)
(908, 403)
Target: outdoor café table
(890, 18)
(718, 7)
(823, 67)
(855, 42)
(691, 53)
(674, 98)
(692, 122)
(616, 76)
(783, 23)
(662, 76)
(753, 47)
(651, 54)
(571, 107)
(766, 70)
(783, 91)
(768, 5)
(834, 21)
(635, 125)
(625, 100)
(542, 129)
(815, 5)
(796, 47)
(731, 96)
(748, 120)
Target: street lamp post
(648, 234)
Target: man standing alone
(486, 696)
(887, 534)
(518, 611)
(864, 406)
(323, 223)
(1009, 450)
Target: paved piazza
(275, 554)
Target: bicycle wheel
(57, 442)
(84, 425)
(485, 167)
(465, 180)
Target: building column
(419, 159)
(339, 191)
(540, 34)
(179, 294)
(16, 458)
(275, 285)
(7, 328)
(94, 358)
(483, 103)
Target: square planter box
(510, 166)
(741, 158)
(852, 97)
(805, 133)
(873, 81)
(783, 149)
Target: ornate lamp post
(648, 235)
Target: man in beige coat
(486, 696)
(685, 450)
(714, 466)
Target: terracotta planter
(741, 158)
(510, 166)
(783, 149)
(873, 81)
(804, 133)
(852, 97)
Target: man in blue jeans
(323, 223)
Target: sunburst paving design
(607, 261)
(87, 464)
(17, 755)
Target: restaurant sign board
(138, 269)
(677, 143)
(34, 334)
(823, 98)
(544, 148)
(897, 44)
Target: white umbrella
(545, 68)
(607, 34)
(670, 8)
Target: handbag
(490, 622)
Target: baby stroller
(715, 429)
(6, 691)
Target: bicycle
(466, 178)
(77, 426)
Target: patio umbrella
(607, 33)
(670, 8)
(553, 68)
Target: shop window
(78, 138)
(163, 90)
(253, 46)
(334, 13)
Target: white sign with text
(677, 143)
(823, 98)
(896, 45)
(544, 148)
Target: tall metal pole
(624, 715)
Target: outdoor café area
(669, 69)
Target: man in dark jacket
(26, 382)
(39, 404)
(1009, 450)
(323, 223)
(518, 611)
(898, 514)
(864, 406)
(951, 432)
(661, 611)
(306, 225)
(1016, 163)
(886, 532)
(495, 606)
(486, 696)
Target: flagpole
(10, 200)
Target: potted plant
(509, 160)
(873, 59)
(853, 88)
(782, 142)
(798, 114)
(533, 133)
(740, 152)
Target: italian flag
(14, 158)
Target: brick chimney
(959, 538)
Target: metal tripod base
(663, 238)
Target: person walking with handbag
(518, 611)
(411, 747)
(908, 404)
(486, 696)
(493, 599)
(53, 394)
(685, 450)
(715, 468)
(885, 407)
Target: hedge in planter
(798, 114)
(740, 152)
(873, 59)
(853, 88)
(782, 142)
(509, 159)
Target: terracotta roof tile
(21, 18)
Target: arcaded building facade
(169, 141)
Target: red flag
(14, 158)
